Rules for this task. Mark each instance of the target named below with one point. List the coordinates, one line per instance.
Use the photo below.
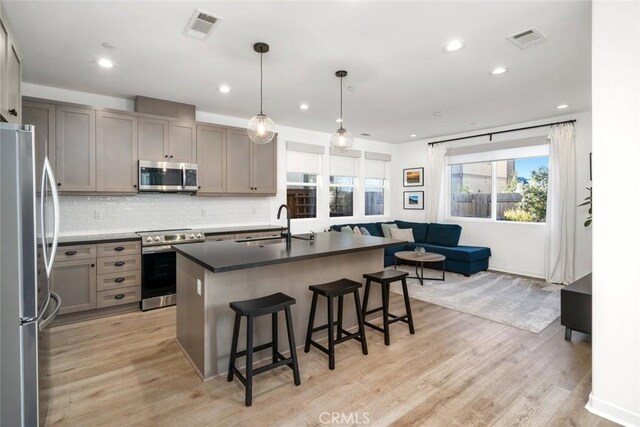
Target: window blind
(304, 158)
(519, 148)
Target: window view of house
(341, 196)
(520, 194)
(302, 194)
(373, 196)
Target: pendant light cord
(261, 83)
(341, 119)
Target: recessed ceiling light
(107, 45)
(413, 135)
(562, 106)
(304, 107)
(224, 89)
(351, 88)
(438, 113)
(498, 70)
(105, 63)
(365, 134)
(453, 46)
(338, 120)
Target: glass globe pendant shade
(261, 129)
(342, 140)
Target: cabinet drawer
(257, 235)
(118, 296)
(70, 253)
(221, 237)
(118, 280)
(119, 249)
(114, 264)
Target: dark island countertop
(89, 239)
(224, 256)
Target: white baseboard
(534, 274)
(612, 412)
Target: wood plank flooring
(458, 369)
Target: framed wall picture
(414, 200)
(413, 177)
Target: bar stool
(271, 304)
(385, 278)
(338, 288)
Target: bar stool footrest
(268, 345)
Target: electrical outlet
(199, 287)
(96, 214)
(203, 212)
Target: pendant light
(342, 140)
(261, 128)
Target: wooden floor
(456, 370)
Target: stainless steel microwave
(167, 176)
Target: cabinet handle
(135, 185)
(171, 156)
(13, 112)
(166, 156)
(93, 265)
(70, 253)
(59, 185)
(119, 263)
(119, 248)
(119, 296)
(199, 187)
(119, 280)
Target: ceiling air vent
(527, 39)
(201, 24)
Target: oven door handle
(184, 176)
(157, 249)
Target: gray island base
(211, 275)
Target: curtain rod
(490, 134)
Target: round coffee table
(422, 259)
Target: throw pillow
(364, 231)
(346, 229)
(356, 230)
(402, 234)
(386, 229)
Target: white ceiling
(392, 50)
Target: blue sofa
(438, 238)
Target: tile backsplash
(105, 214)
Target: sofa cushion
(386, 229)
(459, 253)
(419, 229)
(373, 229)
(402, 234)
(356, 230)
(364, 231)
(346, 229)
(444, 234)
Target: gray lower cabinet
(212, 156)
(182, 142)
(153, 139)
(76, 149)
(43, 117)
(116, 152)
(75, 282)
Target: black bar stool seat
(270, 304)
(338, 288)
(385, 278)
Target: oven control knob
(157, 238)
(148, 238)
(198, 235)
(191, 236)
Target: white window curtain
(344, 163)
(375, 165)
(435, 175)
(304, 158)
(561, 205)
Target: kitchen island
(210, 275)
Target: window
(504, 190)
(341, 195)
(471, 185)
(373, 196)
(522, 189)
(302, 194)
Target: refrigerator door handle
(56, 215)
(43, 323)
(43, 231)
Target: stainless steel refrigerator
(29, 223)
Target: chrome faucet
(288, 233)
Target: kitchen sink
(262, 242)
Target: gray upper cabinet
(264, 167)
(153, 139)
(13, 85)
(76, 149)
(4, 40)
(116, 152)
(239, 163)
(182, 142)
(251, 168)
(212, 154)
(43, 117)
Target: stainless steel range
(159, 264)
